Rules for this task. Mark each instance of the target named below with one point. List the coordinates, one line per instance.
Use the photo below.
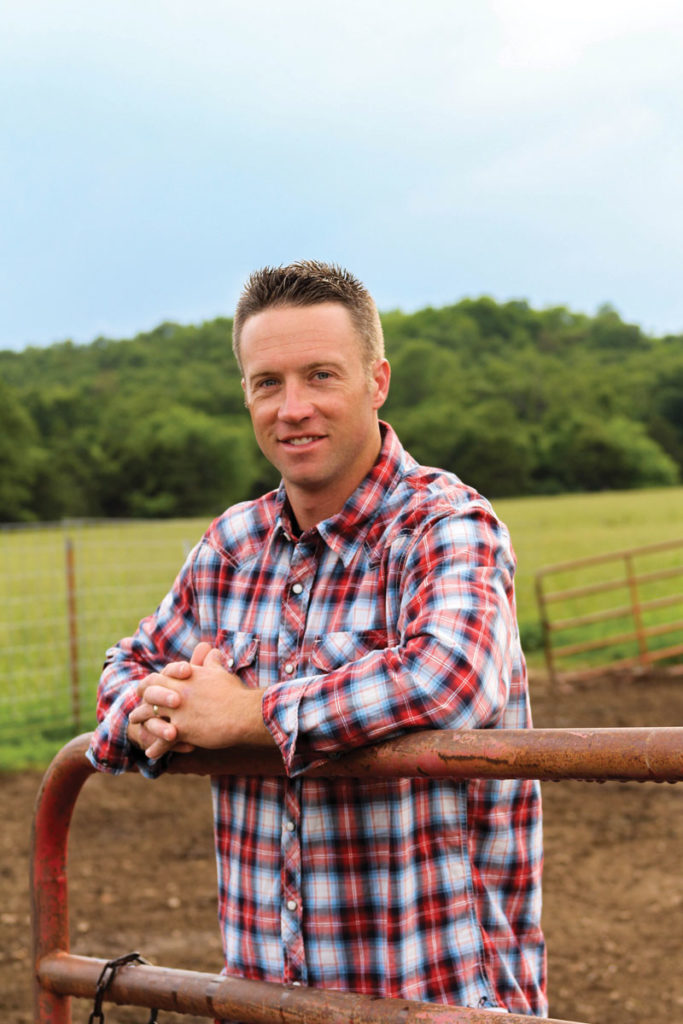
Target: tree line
(516, 401)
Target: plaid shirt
(396, 614)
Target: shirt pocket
(240, 654)
(332, 650)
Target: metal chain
(105, 979)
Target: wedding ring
(155, 709)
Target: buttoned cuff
(110, 749)
(281, 713)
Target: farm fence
(644, 755)
(633, 618)
(67, 592)
(70, 590)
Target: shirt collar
(346, 531)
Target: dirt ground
(142, 877)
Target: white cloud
(554, 35)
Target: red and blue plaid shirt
(396, 614)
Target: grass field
(547, 531)
(122, 570)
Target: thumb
(214, 657)
(199, 653)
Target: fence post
(545, 627)
(636, 611)
(72, 620)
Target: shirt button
(297, 588)
(291, 904)
(290, 826)
(289, 669)
(231, 662)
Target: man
(367, 596)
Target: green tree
(421, 371)
(515, 400)
(20, 458)
(488, 448)
(588, 454)
(176, 462)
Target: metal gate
(643, 755)
(623, 613)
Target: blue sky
(153, 153)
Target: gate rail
(632, 582)
(645, 754)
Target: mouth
(301, 441)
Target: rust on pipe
(49, 895)
(254, 1002)
(622, 755)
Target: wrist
(253, 727)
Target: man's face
(313, 403)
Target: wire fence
(67, 592)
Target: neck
(311, 506)
(308, 512)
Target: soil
(142, 877)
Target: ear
(381, 375)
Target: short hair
(310, 283)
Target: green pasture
(551, 530)
(123, 569)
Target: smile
(300, 440)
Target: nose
(294, 405)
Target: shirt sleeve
(457, 651)
(170, 634)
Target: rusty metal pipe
(49, 891)
(599, 754)
(623, 755)
(254, 1002)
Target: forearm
(117, 747)
(447, 660)
(419, 686)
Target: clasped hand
(196, 704)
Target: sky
(154, 152)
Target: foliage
(516, 401)
(20, 457)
